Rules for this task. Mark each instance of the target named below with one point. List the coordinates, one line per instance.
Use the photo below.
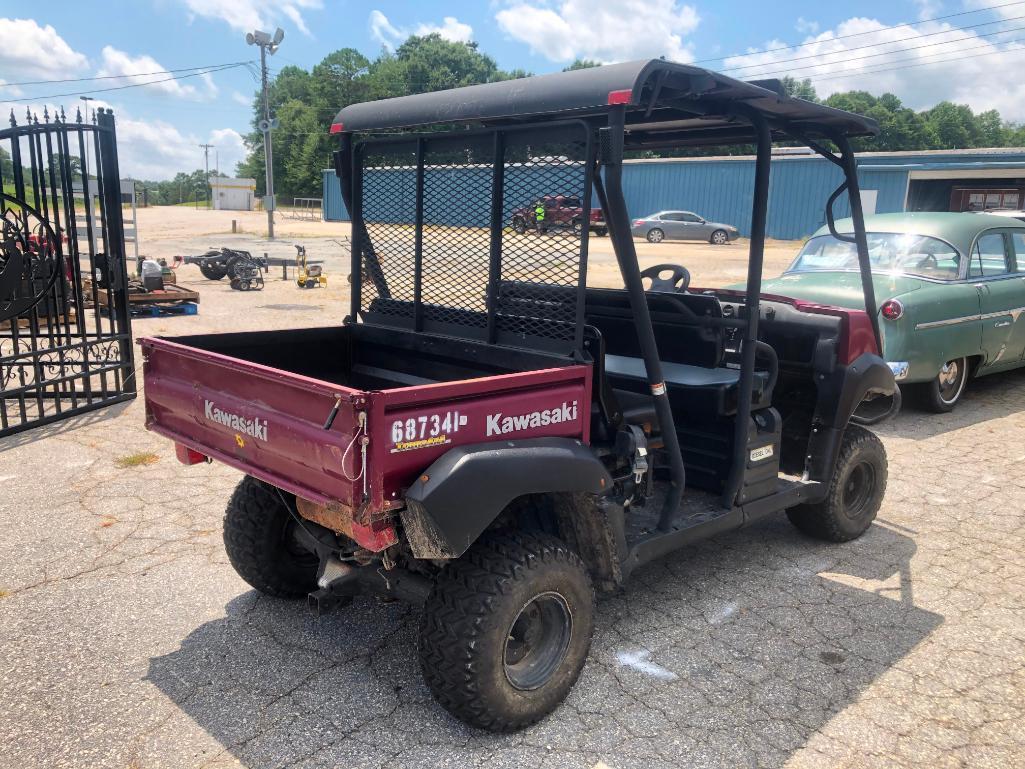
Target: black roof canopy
(667, 103)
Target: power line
(827, 76)
(890, 42)
(123, 87)
(788, 70)
(861, 34)
(136, 74)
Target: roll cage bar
(644, 105)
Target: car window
(551, 203)
(690, 218)
(1018, 241)
(571, 203)
(672, 216)
(988, 257)
(904, 253)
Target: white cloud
(806, 27)
(131, 69)
(247, 15)
(450, 29)
(927, 9)
(156, 149)
(920, 77)
(390, 36)
(241, 98)
(30, 51)
(605, 30)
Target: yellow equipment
(307, 275)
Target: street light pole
(267, 45)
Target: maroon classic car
(561, 211)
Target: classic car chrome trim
(1014, 313)
(947, 322)
(899, 369)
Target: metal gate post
(114, 242)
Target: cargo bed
(287, 406)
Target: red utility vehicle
(489, 437)
(561, 212)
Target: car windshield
(891, 252)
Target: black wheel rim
(537, 641)
(859, 487)
(951, 380)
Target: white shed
(232, 194)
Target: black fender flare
(840, 395)
(467, 488)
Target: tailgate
(263, 421)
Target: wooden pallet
(171, 293)
(44, 320)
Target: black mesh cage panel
(478, 235)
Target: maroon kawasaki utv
(487, 436)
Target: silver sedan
(682, 225)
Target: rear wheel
(719, 238)
(506, 630)
(945, 391)
(212, 273)
(656, 235)
(260, 539)
(601, 232)
(855, 491)
(519, 225)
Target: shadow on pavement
(34, 434)
(989, 397)
(730, 654)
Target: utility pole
(267, 45)
(206, 165)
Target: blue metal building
(720, 188)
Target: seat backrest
(680, 338)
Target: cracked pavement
(127, 641)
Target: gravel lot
(127, 641)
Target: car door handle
(1001, 323)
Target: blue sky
(160, 124)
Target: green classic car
(950, 289)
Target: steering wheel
(677, 282)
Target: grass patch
(136, 460)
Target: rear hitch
(339, 582)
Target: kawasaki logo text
(255, 428)
(497, 424)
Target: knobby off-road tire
(259, 536)
(855, 492)
(506, 630)
(212, 273)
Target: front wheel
(945, 391)
(261, 542)
(719, 238)
(506, 630)
(656, 235)
(519, 225)
(855, 491)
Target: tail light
(638, 222)
(891, 309)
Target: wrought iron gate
(65, 332)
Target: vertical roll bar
(610, 194)
(752, 307)
(850, 168)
